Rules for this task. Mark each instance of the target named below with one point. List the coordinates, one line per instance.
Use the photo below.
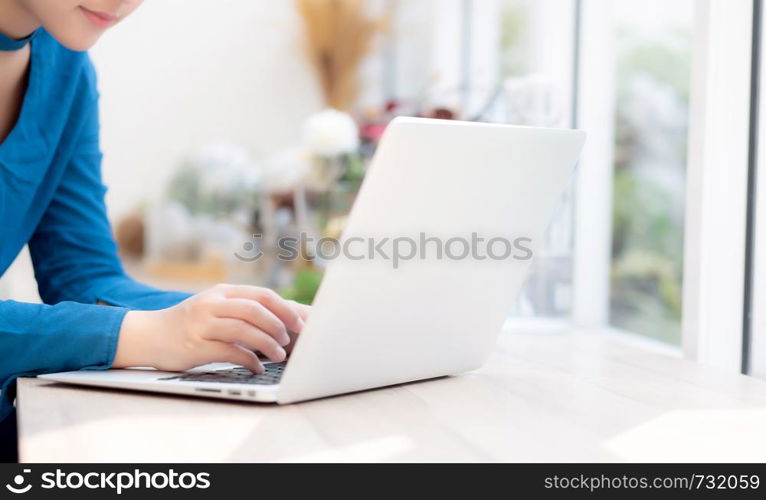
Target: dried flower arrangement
(339, 34)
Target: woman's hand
(226, 323)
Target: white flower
(216, 154)
(285, 170)
(225, 168)
(330, 133)
(533, 100)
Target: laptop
(437, 246)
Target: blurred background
(228, 119)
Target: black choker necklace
(8, 44)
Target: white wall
(180, 73)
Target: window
(653, 66)
(478, 59)
(536, 57)
(651, 237)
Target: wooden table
(542, 397)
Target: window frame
(595, 105)
(716, 211)
(717, 185)
(754, 343)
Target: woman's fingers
(303, 309)
(224, 352)
(280, 307)
(240, 332)
(254, 313)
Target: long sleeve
(40, 338)
(73, 251)
(76, 267)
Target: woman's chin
(80, 41)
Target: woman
(52, 198)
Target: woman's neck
(15, 20)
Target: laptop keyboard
(238, 375)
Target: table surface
(575, 397)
